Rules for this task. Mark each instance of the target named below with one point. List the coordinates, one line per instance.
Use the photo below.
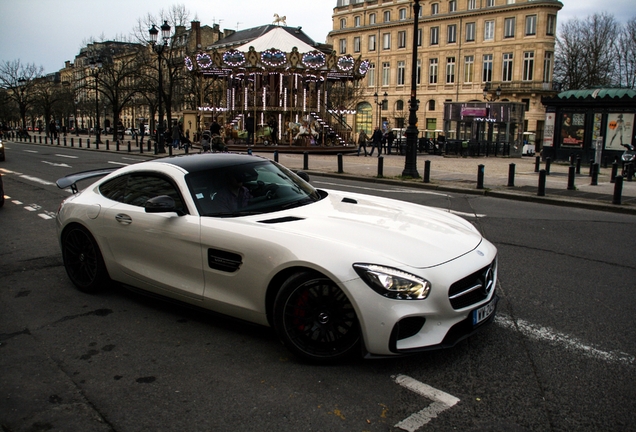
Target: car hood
(411, 234)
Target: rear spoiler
(72, 179)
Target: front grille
(473, 288)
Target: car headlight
(393, 283)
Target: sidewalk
(452, 174)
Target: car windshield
(248, 189)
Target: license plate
(484, 312)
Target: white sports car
(334, 273)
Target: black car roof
(206, 161)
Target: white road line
(37, 180)
(441, 402)
(546, 334)
(118, 163)
(30, 151)
(45, 216)
(16, 202)
(56, 164)
(67, 156)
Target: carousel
(277, 89)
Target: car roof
(206, 161)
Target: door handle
(123, 219)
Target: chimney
(196, 27)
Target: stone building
(464, 47)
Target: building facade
(464, 46)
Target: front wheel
(315, 320)
(83, 260)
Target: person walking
(176, 136)
(376, 141)
(362, 142)
(390, 137)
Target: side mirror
(160, 204)
(303, 175)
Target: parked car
(334, 273)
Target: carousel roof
(277, 38)
(245, 37)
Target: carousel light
(188, 63)
(204, 60)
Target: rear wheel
(315, 319)
(83, 260)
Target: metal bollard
(591, 168)
(380, 166)
(595, 170)
(542, 178)
(571, 177)
(511, 175)
(141, 148)
(480, 177)
(340, 164)
(107, 144)
(117, 145)
(618, 190)
(578, 164)
(64, 142)
(548, 162)
(427, 171)
(249, 151)
(614, 172)
(537, 163)
(275, 155)
(71, 142)
(129, 147)
(305, 160)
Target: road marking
(37, 180)
(134, 159)
(31, 151)
(546, 334)
(16, 202)
(45, 216)
(67, 156)
(56, 164)
(441, 402)
(118, 163)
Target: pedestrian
(142, 131)
(362, 142)
(376, 141)
(390, 137)
(53, 130)
(176, 136)
(249, 125)
(215, 128)
(273, 130)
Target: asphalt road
(560, 355)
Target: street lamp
(487, 93)
(158, 48)
(379, 104)
(96, 65)
(410, 161)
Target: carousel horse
(280, 20)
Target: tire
(315, 320)
(83, 260)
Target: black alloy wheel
(315, 320)
(83, 260)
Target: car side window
(136, 189)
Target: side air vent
(224, 261)
(349, 200)
(281, 220)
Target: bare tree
(627, 55)
(19, 82)
(586, 53)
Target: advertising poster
(548, 132)
(620, 129)
(596, 127)
(572, 129)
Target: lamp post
(380, 104)
(410, 161)
(96, 65)
(495, 96)
(158, 48)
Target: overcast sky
(49, 32)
